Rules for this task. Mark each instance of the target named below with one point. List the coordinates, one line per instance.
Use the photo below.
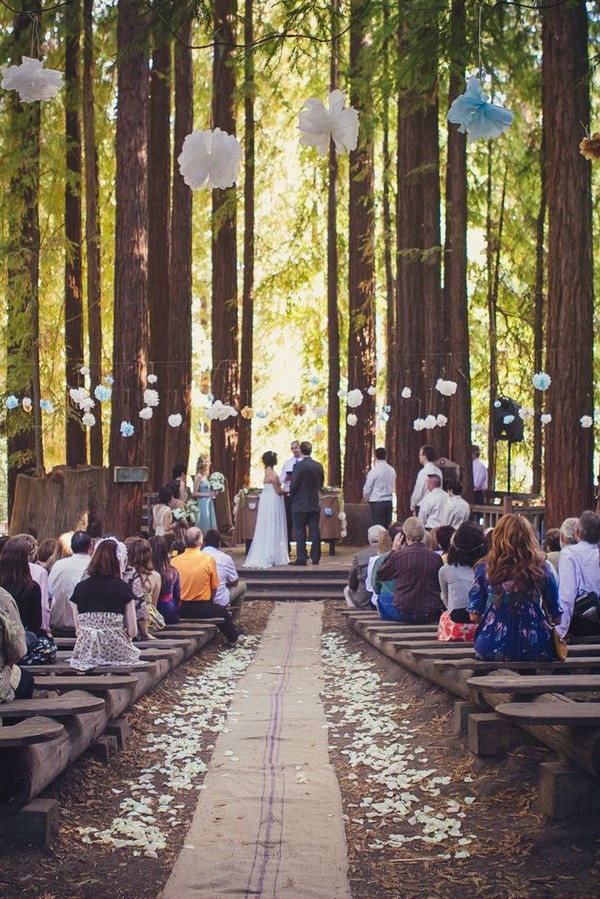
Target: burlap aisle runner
(269, 822)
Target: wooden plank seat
(27, 733)
(543, 683)
(585, 714)
(77, 702)
(570, 664)
(63, 668)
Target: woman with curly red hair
(511, 586)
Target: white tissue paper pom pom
(88, 419)
(541, 380)
(78, 395)
(406, 393)
(152, 379)
(446, 388)
(441, 420)
(342, 394)
(32, 80)
(354, 398)
(210, 157)
(175, 420)
(317, 124)
(525, 413)
(351, 419)
(151, 397)
(371, 390)
(418, 424)
(430, 422)
(586, 421)
(146, 413)
(546, 418)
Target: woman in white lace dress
(269, 544)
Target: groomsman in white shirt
(285, 478)
(379, 489)
(426, 457)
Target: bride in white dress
(269, 544)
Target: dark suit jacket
(307, 479)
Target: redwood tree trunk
(388, 254)
(22, 153)
(225, 366)
(75, 434)
(538, 330)
(570, 338)
(92, 228)
(130, 338)
(247, 354)
(334, 457)
(179, 347)
(455, 267)
(159, 196)
(361, 269)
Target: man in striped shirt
(415, 568)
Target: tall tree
(455, 264)
(361, 263)
(179, 347)
(159, 210)
(225, 340)
(494, 233)
(570, 336)
(388, 235)
(22, 158)
(419, 310)
(334, 458)
(538, 328)
(247, 349)
(92, 227)
(130, 336)
(75, 435)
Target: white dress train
(269, 544)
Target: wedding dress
(269, 544)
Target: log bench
(32, 731)
(75, 703)
(574, 714)
(537, 684)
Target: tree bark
(334, 456)
(247, 351)
(455, 266)
(225, 366)
(538, 329)
(179, 380)
(361, 267)
(75, 434)
(159, 210)
(22, 154)
(92, 229)
(570, 337)
(388, 253)
(130, 337)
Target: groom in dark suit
(307, 479)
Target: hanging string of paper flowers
(318, 125)
(31, 80)
(210, 157)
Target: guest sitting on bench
(506, 599)
(417, 595)
(579, 579)
(15, 682)
(467, 547)
(356, 594)
(104, 611)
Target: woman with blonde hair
(203, 493)
(512, 585)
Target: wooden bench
(569, 664)
(585, 714)
(76, 703)
(29, 732)
(535, 684)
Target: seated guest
(45, 551)
(511, 586)
(356, 593)
(169, 597)
(142, 580)
(552, 546)
(417, 595)
(16, 579)
(432, 509)
(104, 612)
(379, 587)
(39, 575)
(62, 550)
(467, 547)
(384, 547)
(199, 583)
(15, 682)
(457, 509)
(568, 532)
(65, 575)
(439, 540)
(579, 576)
(231, 591)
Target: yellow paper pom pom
(247, 412)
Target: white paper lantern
(31, 80)
(210, 157)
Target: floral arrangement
(188, 513)
(217, 482)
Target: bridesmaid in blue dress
(203, 493)
(512, 587)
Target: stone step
(293, 573)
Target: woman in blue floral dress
(506, 599)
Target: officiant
(285, 478)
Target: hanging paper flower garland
(152, 379)
(586, 421)
(127, 429)
(352, 419)
(590, 146)
(475, 115)
(31, 80)
(88, 420)
(102, 393)
(146, 413)
(546, 418)
(446, 388)
(175, 420)
(47, 406)
(317, 124)
(406, 393)
(220, 411)
(247, 412)
(354, 398)
(541, 381)
(210, 157)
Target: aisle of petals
(401, 788)
(174, 742)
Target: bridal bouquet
(217, 482)
(188, 513)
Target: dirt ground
(517, 853)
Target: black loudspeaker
(511, 430)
